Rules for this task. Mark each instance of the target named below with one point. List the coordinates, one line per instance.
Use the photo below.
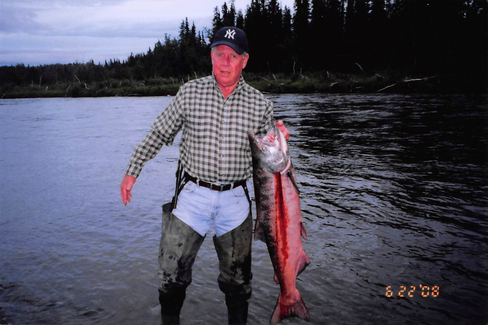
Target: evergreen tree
(240, 20)
(378, 20)
(229, 15)
(217, 22)
(361, 24)
(275, 45)
(401, 35)
(349, 21)
(258, 35)
(288, 60)
(287, 24)
(319, 20)
(334, 13)
(301, 32)
(428, 36)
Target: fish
(279, 219)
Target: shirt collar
(239, 85)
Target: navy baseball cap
(233, 37)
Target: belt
(212, 186)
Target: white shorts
(200, 207)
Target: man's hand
(126, 187)
(283, 130)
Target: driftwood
(404, 81)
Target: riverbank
(323, 82)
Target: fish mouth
(273, 151)
(269, 140)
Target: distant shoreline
(324, 82)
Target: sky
(38, 32)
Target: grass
(320, 82)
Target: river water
(393, 192)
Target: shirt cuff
(133, 170)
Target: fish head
(271, 150)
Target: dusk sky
(37, 32)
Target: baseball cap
(233, 37)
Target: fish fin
(296, 309)
(258, 232)
(276, 279)
(259, 236)
(303, 231)
(293, 181)
(303, 262)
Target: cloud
(143, 18)
(106, 18)
(65, 31)
(15, 19)
(44, 32)
(35, 50)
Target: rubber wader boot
(234, 252)
(171, 303)
(177, 251)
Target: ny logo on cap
(230, 33)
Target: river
(393, 193)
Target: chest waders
(177, 252)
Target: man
(215, 114)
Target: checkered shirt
(214, 145)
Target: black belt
(212, 186)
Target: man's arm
(163, 132)
(144, 152)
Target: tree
(301, 32)
(258, 35)
(229, 15)
(318, 23)
(216, 22)
(334, 13)
(349, 21)
(240, 20)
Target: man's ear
(245, 61)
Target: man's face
(227, 65)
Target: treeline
(338, 35)
(321, 37)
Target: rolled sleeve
(163, 132)
(145, 151)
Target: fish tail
(295, 309)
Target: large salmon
(279, 219)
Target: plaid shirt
(214, 145)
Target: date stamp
(410, 291)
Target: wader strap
(244, 186)
(180, 184)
